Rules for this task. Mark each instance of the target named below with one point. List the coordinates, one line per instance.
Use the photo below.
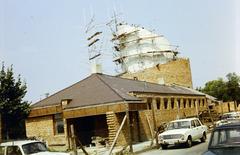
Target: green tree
(12, 107)
(228, 90)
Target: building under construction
(142, 54)
(154, 86)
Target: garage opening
(90, 129)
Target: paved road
(197, 149)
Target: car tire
(189, 142)
(204, 137)
(164, 146)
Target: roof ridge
(98, 75)
(140, 81)
(64, 89)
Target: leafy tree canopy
(225, 90)
(13, 108)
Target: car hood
(175, 131)
(50, 153)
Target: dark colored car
(225, 140)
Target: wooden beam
(74, 146)
(35, 112)
(150, 128)
(100, 110)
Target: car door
(193, 130)
(199, 130)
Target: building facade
(97, 105)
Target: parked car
(26, 147)
(228, 118)
(225, 139)
(183, 131)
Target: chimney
(161, 81)
(96, 68)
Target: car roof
(17, 142)
(228, 125)
(185, 119)
(235, 112)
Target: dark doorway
(86, 128)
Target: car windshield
(178, 125)
(34, 148)
(225, 138)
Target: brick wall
(139, 119)
(114, 121)
(43, 128)
(163, 115)
(225, 107)
(178, 72)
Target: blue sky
(46, 43)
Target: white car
(227, 118)
(26, 147)
(183, 131)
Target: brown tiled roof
(100, 88)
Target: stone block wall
(173, 72)
(43, 128)
(114, 121)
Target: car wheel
(164, 146)
(189, 142)
(204, 137)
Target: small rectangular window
(189, 103)
(178, 103)
(158, 103)
(149, 102)
(165, 103)
(58, 125)
(172, 103)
